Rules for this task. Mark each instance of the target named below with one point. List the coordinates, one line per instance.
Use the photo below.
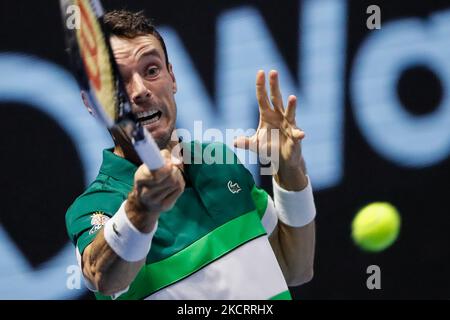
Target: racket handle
(147, 149)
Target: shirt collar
(117, 167)
(123, 170)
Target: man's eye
(152, 71)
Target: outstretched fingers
(275, 93)
(242, 142)
(261, 93)
(291, 109)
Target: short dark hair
(127, 24)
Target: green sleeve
(259, 197)
(79, 222)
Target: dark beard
(165, 140)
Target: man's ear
(172, 75)
(87, 103)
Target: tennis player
(192, 229)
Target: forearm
(294, 249)
(294, 237)
(104, 267)
(292, 178)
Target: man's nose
(139, 92)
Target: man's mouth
(148, 117)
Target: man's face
(149, 82)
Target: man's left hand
(288, 164)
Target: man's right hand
(154, 192)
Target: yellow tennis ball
(376, 226)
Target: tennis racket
(96, 71)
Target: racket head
(96, 71)
(93, 63)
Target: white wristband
(295, 208)
(125, 239)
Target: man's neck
(131, 155)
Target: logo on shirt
(233, 187)
(98, 220)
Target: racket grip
(147, 149)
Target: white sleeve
(270, 218)
(87, 282)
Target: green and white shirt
(213, 244)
